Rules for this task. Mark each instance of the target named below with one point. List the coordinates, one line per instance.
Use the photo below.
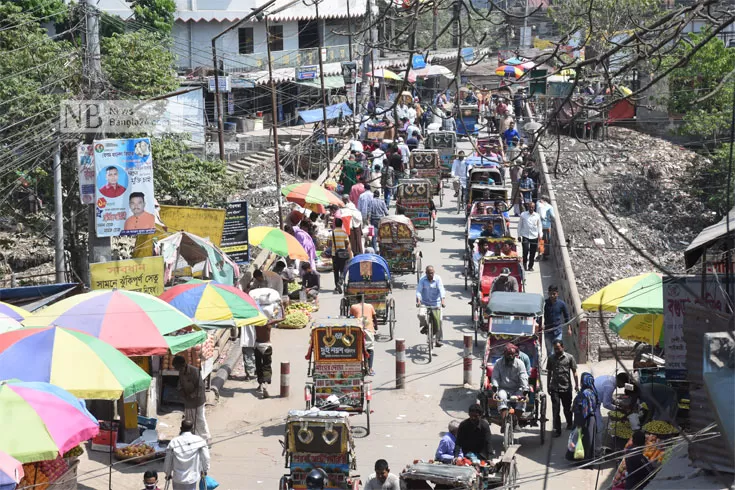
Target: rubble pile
(260, 192)
(24, 251)
(641, 183)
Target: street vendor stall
(187, 255)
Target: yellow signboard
(203, 222)
(143, 275)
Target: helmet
(316, 479)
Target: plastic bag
(208, 483)
(579, 449)
(573, 436)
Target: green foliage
(157, 14)
(710, 181)
(42, 10)
(182, 178)
(139, 64)
(708, 118)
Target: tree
(139, 64)
(157, 14)
(42, 10)
(181, 178)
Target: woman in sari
(584, 409)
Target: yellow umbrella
(638, 294)
(639, 328)
(384, 73)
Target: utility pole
(100, 248)
(522, 40)
(354, 85)
(274, 112)
(367, 57)
(324, 92)
(59, 263)
(435, 26)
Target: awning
(333, 112)
(707, 237)
(330, 82)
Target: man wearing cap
(505, 282)
(405, 152)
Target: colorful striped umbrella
(309, 193)
(13, 311)
(639, 328)
(8, 323)
(11, 470)
(277, 241)
(40, 421)
(638, 294)
(507, 70)
(215, 304)
(81, 364)
(135, 323)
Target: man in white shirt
(187, 459)
(405, 152)
(356, 145)
(247, 343)
(529, 231)
(382, 479)
(459, 171)
(412, 128)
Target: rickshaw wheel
(441, 194)
(508, 434)
(542, 419)
(391, 317)
(367, 412)
(344, 307)
(510, 474)
(475, 315)
(433, 229)
(466, 265)
(283, 484)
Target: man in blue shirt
(511, 135)
(445, 451)
(526, 186)
(556, 314)
(430, 293)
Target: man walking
(341, 253)
(529, 231)
(556, 314)
(191, 388)
(387, 182)
(263, 358)
(363, 203)
(247, 344)
(187, 459)
(561, 369)
(430, 293)
(377, 210)
(546, 212)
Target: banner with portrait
(124, 187)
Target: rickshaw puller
(509, 379)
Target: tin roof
(328, 9)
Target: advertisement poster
(142, 275)
(124, 187)
(86, 171)
(235, 232)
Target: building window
(245, 44)
(275, 34)
(308, 34)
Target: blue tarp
(380, 270)
(333, 112)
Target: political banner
(235, 232)
(124, 187)
(143, 275)
(86, 172)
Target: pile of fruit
(660, 428)
(193, 356)
(208, 347)
(54, 469)
(33, 477)
(620, 428)
(74, 452)
(137, 451)
(297, 315)
(293, 286)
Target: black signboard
(340, 346)
(235, 233)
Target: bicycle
(511, 419)
(430, 328)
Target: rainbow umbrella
(308, 193)
(135, 323)
(40, 421)
(81, 364)
(277, 241)
(11, 470)
(638, 294)
(13, 311)
(8, 323)
(214, 304)
(640, 328)
(507, 70)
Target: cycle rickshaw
(500, 472)
(487, 226)
(426, 164)
(398, 245)
(445, 142)
(513, 318)
(367, 279)
(414, 200)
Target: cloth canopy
(333, 112)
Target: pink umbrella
(11, 470)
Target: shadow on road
(455, 401)
(277, 430)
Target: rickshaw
(397, 239)
(493, 226)
(367, 279)
(425, 164)
(513, 318)
(445, 142)
(414, 200)
(501, 472)
(467, 120)
(338, 365)
(316, 439)
(485, 143)
(484, 193)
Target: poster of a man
(112, 188)
(140, 219)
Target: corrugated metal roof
(707, 237)
(328, 9)
(285, 74)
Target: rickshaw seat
(486, 283)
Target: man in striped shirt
(341, 253)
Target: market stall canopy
(216, 305)
(12, 311)
(638, 294)
(135, 323)
(310, 193)
(330, 82)
(647, 328)
(708, 237)
(277, 241)
(183, 248)
(81, 364)
(507, 70)
(8, 324)
(430, 71)
(384, 73)
(11, 470)
(333, 112)
(40, 421)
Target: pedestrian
(518, 99)
(378, 210)
(366, 312)
(387, 182)
(556, 314)
(356, 223)
(638, 467)
(526, 186)
(357, 189)
(150, 480)
(348, 178)
(430, 293)
(341, 253)
(412, 141)
(474, 436)
(405, 152)
(247, 344)
(382, 479)
(187, 459)
(561, 368)
(445, 451)
(263, 358)
(395, 160)
(546, 212)
(363, 203)
(305, 240)
(191, 388)
(448, 123)
(529, 232)
(584, 409)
